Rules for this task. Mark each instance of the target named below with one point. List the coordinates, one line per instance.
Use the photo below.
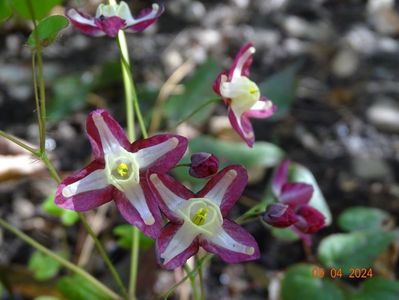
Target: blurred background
(331, 66)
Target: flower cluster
(134, 176)
(293, 209)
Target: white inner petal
(217, 193)
(146, 156)
(106, 10)
(74, 15)
(132, 21)
(135, 195)
(222, 239)
(244, 57)
(182, 239)
(261, 105)
(109, 143)
(123, 11)
(172, 201)
(94, 181)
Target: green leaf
(68, 217)
(284, 234)
(78, 288)
(5, 10)
(124, 237)
(281, 88)
(43, 266)
(197, 90)
(40, 7)
(69, 94)
(299, 283)
(357, 249)
(377, 288)
(299, 173)
(46, 298)
(47, 31)
(363, 218)
(262, 155)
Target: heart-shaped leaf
(47, 31)
(363, 218)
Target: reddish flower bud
(280, 215)
(310, 219)
(203, 165)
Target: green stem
(204, 259)
(62, 261)
(199, 108)
(18, 142)
(192, 281)
(201, 278)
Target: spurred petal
(262, 109)
(242, 61)
(105, 134)
(174, 245)
(92, 191)
(145, 18)
(171, 194)
(159, 153)
(203, 165)
(296, 193)
(280, 177)
(242, 126)
(139, 207)
(311, 220)
(226, 187)
(110, 25)
(232, 243)
(83, 22)
(280, 215)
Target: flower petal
(171, 194)
(242, 61)
(218, 81)
(242, 126)
(105, 134)
(145, 18)
(110, 25)
(159, 153)
(175, 244)
(280, 215)
(83, 22)
(232, 243)
(296, 193)
(262, 109)
(311, 220)
(85, 190)
(226, 187)
(280, 177)
(139, 207)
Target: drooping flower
(242, 96)
(110, 18)
(120, 171)
(203, 165)
(199, 220)
(293, 208)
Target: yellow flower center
(200, 216)
(122, 170)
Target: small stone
(384, 115)
(345, 63)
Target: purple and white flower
(292, 208)
(120, 171)
(242, 96)
(199, 220)
(110, 18)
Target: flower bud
(280, 215)
(310, 219)
(203, 165)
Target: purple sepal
(143, 21)
(203, 165)
(280, 177)
(246, 65)
(310, 219)
(296, 193)
(83, 22)
(166, 235)
(245, 131)
(280, 215)
(110, 25)
(238, 234)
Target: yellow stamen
(122, 170)
(200, 216)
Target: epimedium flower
(203, 165)
(242, 95)
(292, 208)
(120, 171)
(110, 18)
(199, 220)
